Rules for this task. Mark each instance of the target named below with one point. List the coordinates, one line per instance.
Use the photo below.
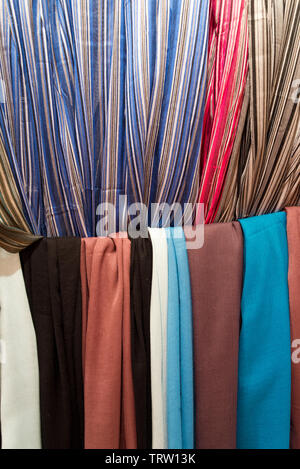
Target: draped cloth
(226, 81)
(51, 270)
(20, 404)
(108, 383)
(264, 170)
(216, 281)
(264, 391)
(140, 298)
(180, 393)
(293, 235)
(94, 98)
(158, 331)
(14, 231)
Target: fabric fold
(51, 270)
(293, 236)
(264, 170)
(264, 390)
(216, 271)
(226, 82)
(140, 298)
(158, 332)
(20, 394)
(180, 393)
(108, 384)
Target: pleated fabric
(20, 394)
(158, 332)
(180, 393)
(15, 234)
(140, 299)
(51, 270)
(94, 98)
(226, 81)
(293, 236)
(216, 272)
(264, 391)
(108, 383)
(264, 172)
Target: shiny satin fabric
(226, 81)
(98, 100)
(216, 281)
(109, 404)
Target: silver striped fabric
(264, 170)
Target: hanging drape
(109, 406)
(226, 80)
(100, 99)
(140, 301)
(14, 230)
(216, 280)
(51, 269)
(293, 236)
(264, 375)
(20, 393)
(264, 170)
(180, 379)
(158, 337)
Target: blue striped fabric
(101, 98)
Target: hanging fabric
(158, 332)
(98, 95)
(51, 270)
(180, 393)
(20, 396)
(140, 298)
(293, 235)
(108, 384)
(265, 171)
(226, 81)
(14, 231)
(216, 280)
(264, 391)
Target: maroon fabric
(216, 272)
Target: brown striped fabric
(14, 232)
(264, 171)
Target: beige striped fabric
(14, 231)
(264, 171)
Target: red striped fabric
(226, 81)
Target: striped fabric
(264, 171)
(226, 81)
(101, 98)
(14, 231)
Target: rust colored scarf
(108, 383)
(293, 234)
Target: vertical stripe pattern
(101, 98)
(264, 171)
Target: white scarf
(20, 404)
(158, 337)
